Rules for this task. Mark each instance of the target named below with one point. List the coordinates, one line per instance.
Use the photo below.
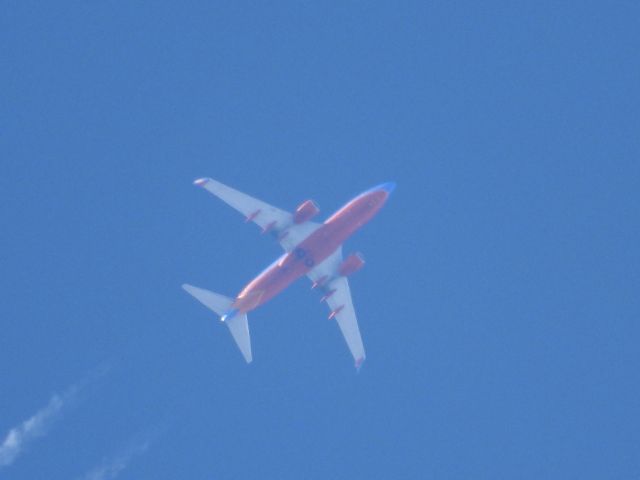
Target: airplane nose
(388, 187)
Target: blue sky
(499, 303)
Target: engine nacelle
(306, 211)
(351, 264)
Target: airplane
(311, 249)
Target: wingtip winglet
(201, 182)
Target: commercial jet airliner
(312, 249)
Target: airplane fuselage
(312, 250)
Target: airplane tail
(238, 323)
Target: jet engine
(306, 211)
(351, 264)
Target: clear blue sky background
(499, 304)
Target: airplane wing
(336, 293)
(270, 219)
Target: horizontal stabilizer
(238, 324)
(239, 328)
(214, 301)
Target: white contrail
(36, 426)
(110, 468)
(19, 437)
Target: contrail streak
(36, 426)
(110, 468)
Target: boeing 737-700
(311, 249)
